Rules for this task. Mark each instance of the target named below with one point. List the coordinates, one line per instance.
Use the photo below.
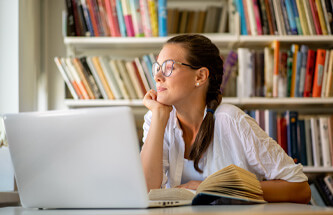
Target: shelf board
(312, 169)
(255, 101)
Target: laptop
(78, 158)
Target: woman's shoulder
(229, 110)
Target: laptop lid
(78, 158)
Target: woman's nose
(159, 76)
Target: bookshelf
(130, 47)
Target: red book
(310, 68)
(282, 132)
(257, 16)
(315, 16)
(93, 17)
(112, 17)
(319, 73)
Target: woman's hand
(150, 101)
(192, 185)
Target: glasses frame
(174, 62)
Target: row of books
(285, 17)
(116, 18)
(322, 191)
(214, 19)
(99, 77)
(308, 139)
(297, 72)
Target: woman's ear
(202, 75)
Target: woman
(189, 135)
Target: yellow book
(153, 17)
(295, 49)
(302, 17)
(230, 185)
(321, 17)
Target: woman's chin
(162, 100)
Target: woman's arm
(152, 152)
(284, 191)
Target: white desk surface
(276, 209)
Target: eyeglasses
(167, 67)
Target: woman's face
(180, 85)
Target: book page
(171, 194)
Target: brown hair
(201, 52)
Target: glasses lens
(167, 67)
(156, 68)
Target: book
(136, 16)
(121, 20)
(316, 198)
(325, 73)
(96, 77)
(230, 185)
(301, 142)
(315, 17)
(285, 18)
(292, 120)
(327, 13)
(304, 52)
(244, 88)
(291, 17)
(252, 19)
(87, 17)
(103, 17)
(128, 18)
(297, 17)
(308, 141)
(83, 76)
(318, 74)
(282, 131)
(316, 144)
(321, 17)
(325, 144)
(295, 50)
(95, 88)
(147, 28)
(153, 17)
(309, 17)
(282, 82)
(162, 18)
(240, 8)
(310, 68)
(276, 47)
(330, 135)
(302, 17)
(269, 71)
(112, 16)
(329, 182)
(118, 78)
(134, 79)
(126, 79)
(329, 83)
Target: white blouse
(238, 140)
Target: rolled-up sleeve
(265, 156)
(146, 126)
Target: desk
(275, 209)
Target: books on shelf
(305, 138)
(297, 72)
(285, 17)
(230, 185)
(96, 77)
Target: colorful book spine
(310, 68)
(257, 17)
(297, 17)
(315, 16)
(162, 18)
(121, 20)
(292, 120)
(291, 17)
(247, 18)
(295, 49)
(321, 17)
(145, 18)
(136, 15)
(240, 9)
(276, 47)
(298, 73)
(87, 18)
(304, 51)
(302, 17)
(319, 71)
(128, 18)
(153, 17)
(112, 17)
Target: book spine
(309, 18)
(136, 15)
(145, 18)
(77, 79)
(83, 77)
(301, 142)
(295, 49)
(310, 68)
(240, 9)
(257, 17)
(93, 18)
(87, 17)
(82, 19)
(95, 87)
(230, 62)
(302, 18)
(316, 144)
(315, 17)
(98, 17)
(319, 71)
(321, 17)
(329, 84)
(112, 16)
(291, 17)
(96, 76)
(103, 17)
(304, 51)
(329, 10)
(323, 128)
(292, 119)
(78, 25)
(121, 20)
(253, 25)
(274, 19)
(153, 17)
(285, 20)
(264, 18)
(326, 17)
(276, 47)
(289, 72)
(246, 17)
(297, 17)
(128, 18)
(269, 17)
(298, 73)
(162, 18)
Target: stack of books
(101, 77)
(297, 72)
(308, 139)
(285, 17)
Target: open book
(230, 185)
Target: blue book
(88, 20)
(240, 9)
(271, 124)
(292, 118)
(316, 198)
(162, 18)
(296, 15)
(121, 20)
(149, 64)
(298, 72)
(291, 17)
(304, 51)
(285, 17)
(301, 142)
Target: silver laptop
(79, 158)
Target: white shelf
(257, 101)
(312, 169)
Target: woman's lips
(160, 89)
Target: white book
(76, 77)
(325, 71)
(97, 78)
(142, 74)
(325, 143)
(131, 71)
(269, 71)
(244, 80)
(252, 19)
(309, 18)
(279, 18)
(308, 141)
(66, 78)
(329, 83)
(127, 81)
(110, 77)
(316, 144)
(119, 78)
